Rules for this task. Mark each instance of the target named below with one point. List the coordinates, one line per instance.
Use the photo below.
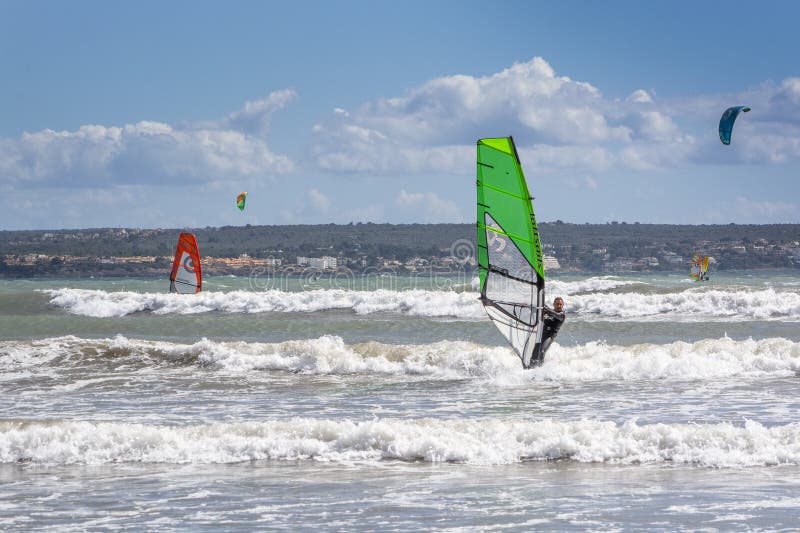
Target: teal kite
(727, 120)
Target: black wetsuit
(550, 325)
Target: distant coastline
(399, 248)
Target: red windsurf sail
(187, 275)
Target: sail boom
(514, 319)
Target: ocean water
(393, 404)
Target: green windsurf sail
(509, 250)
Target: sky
(157, 114)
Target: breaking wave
(709, 359)
(101, 304)
(690, 304)
(687, 305)
(485, 441)
(416, 302)
(595, 284)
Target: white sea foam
(416, 302)
(17, 357)
(99, 303)
(330, 355)
(689, 305)
(750, 505)
(482, 441)
(709, 359)
(326, 355)
(557, 287)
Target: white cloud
(654, 125)
(428, 207)
(254, 116)
(743, 210)
(319, 201)
(568, 134)
(148, 152)
(85, 207)
(585, 183)
(434, 126)
(656, 156)
(769, 134)
(640, 96)
(766, 210)
(559, 122)
(370, 213)
(384, 158)
(301, 208)
(788, 92)
(768, 146)
(547, 158)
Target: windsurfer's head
(558, 304)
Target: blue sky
(156, 114)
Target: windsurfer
(553, 320)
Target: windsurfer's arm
(555, 314)
(560, 317)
